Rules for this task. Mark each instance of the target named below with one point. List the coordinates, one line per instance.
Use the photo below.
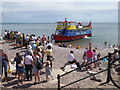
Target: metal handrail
(84, 78)
(88, 76)
(108, 74)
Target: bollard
(58, 77)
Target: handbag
(9, 71)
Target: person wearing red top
(90, 54)
(43, 38)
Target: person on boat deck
(71, 60)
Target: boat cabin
(62, 26)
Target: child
(94, 57)
(98, 62)
(48, 70)
(20, 71)
(85, 61)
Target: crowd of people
(21, 39)
(90, 55)
(33, 59)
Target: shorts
(20, 70)
(89, 60)
(35, 69)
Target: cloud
(62, 6)
(52, 11)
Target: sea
(101, 32)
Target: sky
(14, 11)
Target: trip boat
(68, 31)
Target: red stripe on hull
(58, 38)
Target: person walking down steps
(71, 60)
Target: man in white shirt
(49, 44)
(28, 66)
(71, 60)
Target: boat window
(59, 23)
(76, 31)
(65, 23)
(72, 24)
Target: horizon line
(45, 22)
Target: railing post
(119, 53)
(108, 73)
(58, 77)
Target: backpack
(39, 64)
(51, 58)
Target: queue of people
(32, 61)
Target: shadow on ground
(22, 86)
(11, 83)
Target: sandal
(35, 83)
